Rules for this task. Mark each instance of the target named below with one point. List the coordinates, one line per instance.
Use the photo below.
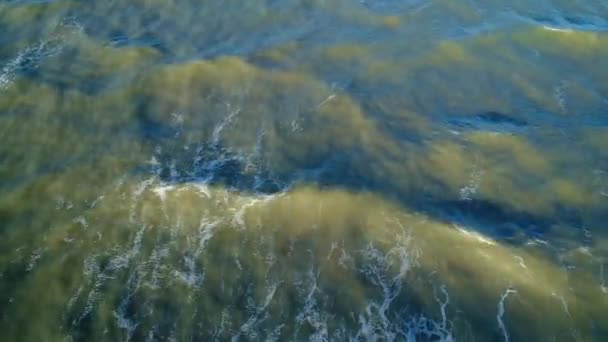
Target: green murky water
(391, 170)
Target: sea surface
(303, 170)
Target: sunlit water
(367, 170)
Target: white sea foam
(467, 192)
(228, 119)
(559, 93)
(192, 277)
(557, 29)
(501, 313)
(98, 276)
(310, 312)
(375, 322)
(475, 235)
(257, 314)
(122, 321)
(603, 284)
(162, 190)
(31, 56)
(36, 255)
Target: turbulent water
(287, 170)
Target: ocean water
(293, 170)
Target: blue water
(400, 170)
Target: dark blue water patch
(150, 129)
(29, 2)
(214, 164)
(533, 118)
(147, 40)
(487, 218)
(491, 121)
(567, 22)
(500, 118)
(392, 6)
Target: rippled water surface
(287, 170)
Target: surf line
(501, 312)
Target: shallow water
(398, 170)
